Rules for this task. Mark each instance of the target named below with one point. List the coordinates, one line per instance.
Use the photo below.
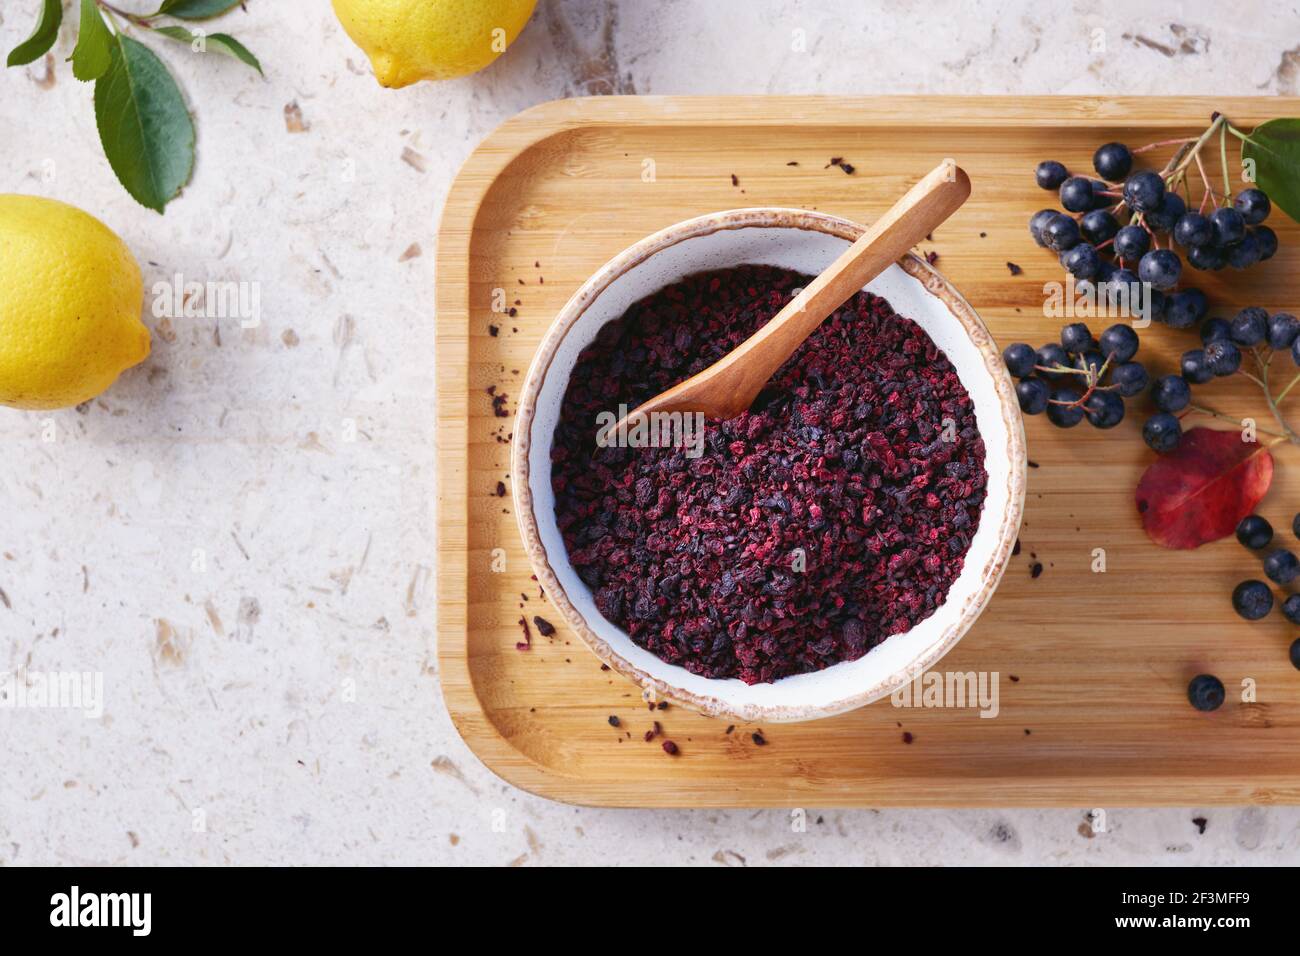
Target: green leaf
(42, 38)
(214, 42)
(94, 53)
(1275, 148)
(146, 130)
(196, 9)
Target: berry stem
(1223, 158)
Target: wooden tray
(1094, 666)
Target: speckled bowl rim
(635, 255)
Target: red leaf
(1199, 492)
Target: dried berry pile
(832, 514)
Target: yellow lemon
(412, 40)
(70, 301)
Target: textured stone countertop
(256, 588)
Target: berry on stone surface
(1253, 205)
(1143, 191)
(1281, 566)
(1119, 343)
(1132, 242)
(1223, 357)
(1252, 599)
(1063, 410)
(1254, 532)
(1195, 366)
(1129, 378)
(1229, 226)
(1112, 161)
(1160, 267)
(1033, 394)
(1104, 409)
(1172, 394)
(1205, 692)
(1050, 174)
(1250, 327)
(1162, 432)
(1020, 359)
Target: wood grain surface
(1092, 667)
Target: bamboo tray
(1093, 666)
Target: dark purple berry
(1129, 378)
(1062, 410)
(1250, 327)
(1020, 359)
(1223, 357)
(1244, 254)
(1267, 239)
(1038, 221)
(1193, 229)
(1171, 393)
(1081, 261)
(1282, 330)
(1162, 432)
(1119, 343)
(1254, 532)
(1165, 216)
(1252, 599)
(1281, 566)
(1207, 258)
(1186, 308)
(1161, 268)
(1229, 226)
(1195, 366)
(1098, 226)
(1033, 394)
(1076, 338)
(1104, 409)
(1060, 233)
(1112, 161)
(1253, 206)
(1077, 194)
(1205, 692)
(1050, 174)
(1132, 242)
(1143, 191)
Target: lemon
(412, 40)
(70, 301)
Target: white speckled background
(256, 589)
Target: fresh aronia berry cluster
(1097, 248)
(1078, 377)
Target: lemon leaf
(145, 129)
(94, 51)
(43, 36)
(215, 42)
(195, 9)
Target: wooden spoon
(729, 386)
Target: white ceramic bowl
(808, 242)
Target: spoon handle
(731, 384)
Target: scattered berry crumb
(613, 721)
(932, 257)
(1035, 569)
(670, 747)
(1014, 269)
(1201, 823)
(494, 330)
(544, 627)
(734, 180)
(527, 643)
(501, 489)
(759, 739)
(907, 737)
